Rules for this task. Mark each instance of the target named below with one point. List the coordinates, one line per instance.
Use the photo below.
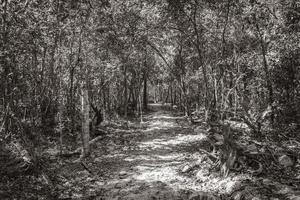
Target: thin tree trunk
(72, 105)
(215, 89)
(85, 104)
(159, 93)
(171, 94)
(85, 109)
(108, 101)
(5, 82)
(104, 102)
(141, 109)
(204, 70)
(168, 94)
(145, 94)
(230, 86)
(265, 64)
(125, 92)
(155, 95)
(184, 98)
(60, 118)
(198, 96)
(223, 103)
(175, 95)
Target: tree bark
(72, 105)
(175, 95)
(171, 94)
(145, 94)
(265, 64)
(60, 118)
(125, 92)
(200, 58)
(223, 73)
(85, 109)
(5, 83)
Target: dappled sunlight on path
(161, 120)
(171, 142)
(154, 157)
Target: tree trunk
(104, 103)
(223, 73)
(3, 61)
(175, 96)
(204, 70)
(108, 101)
(72, 104)
(230, 86)
(171, 94)
(85, 109)
(60, 118)
(265, 64)
(168, 94)
(140, 105)
(125, 92)
(155, 95)
(184, 98)
(145, 94)
(215, 89)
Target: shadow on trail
(152, 157)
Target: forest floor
(160, 158)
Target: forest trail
(160, 158)
(150, 159)
(147, 160)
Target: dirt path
(158, 159)
(149, 160)
(147, 157)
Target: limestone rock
(252, 149)
(294, 197)
(186, 168)
(122, 174)
(285, 161)
(237, 195)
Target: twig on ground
(78, 151)
(87, 167)
(209, 154)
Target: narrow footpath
(150, 160)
